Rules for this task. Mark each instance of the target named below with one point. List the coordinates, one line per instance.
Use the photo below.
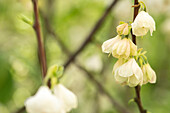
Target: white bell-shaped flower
(129, 73)
(149, 74)
(68, 98)
(124, 48)
(142, 24)
(44, 102)
(108, 44)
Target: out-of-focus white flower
(44, 102)
(124, 48)
(94, 63)
(129, 73)
(123, 29)
(118, 64)
(108, 44)
(149, 74)
(142, 24)
(165, 27)
(68, 98)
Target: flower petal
(68, 98)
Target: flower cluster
(58, 100)
(132, 67)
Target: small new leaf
(131, 100)
(25, 19)
(60, 71)
(53, 73)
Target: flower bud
(68, 98)
(129, 73)
(124, 48)
(108, 44)
(123, 29)
(149, 74)
(142, 24)
(44, 102)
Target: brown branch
(92, 33)
(137, 88)
(138, 100)
(36, 26)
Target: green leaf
(60, 71)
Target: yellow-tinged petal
(108, 44)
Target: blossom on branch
(120, 48)
(142, 24)
(129, 73)
(108, 44)
(149, 74)
(124, 48)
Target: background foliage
(72, 20)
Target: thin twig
(36, 26)
(138, 100)
(41, 50)
(92, 33)
(137, 88)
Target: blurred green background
(72, 20)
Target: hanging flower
(124, 48)
(142, 24)
(149, 74)
(123, 29)
(44, 102)
(129, 73)
(68, 98)
(108, 44)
